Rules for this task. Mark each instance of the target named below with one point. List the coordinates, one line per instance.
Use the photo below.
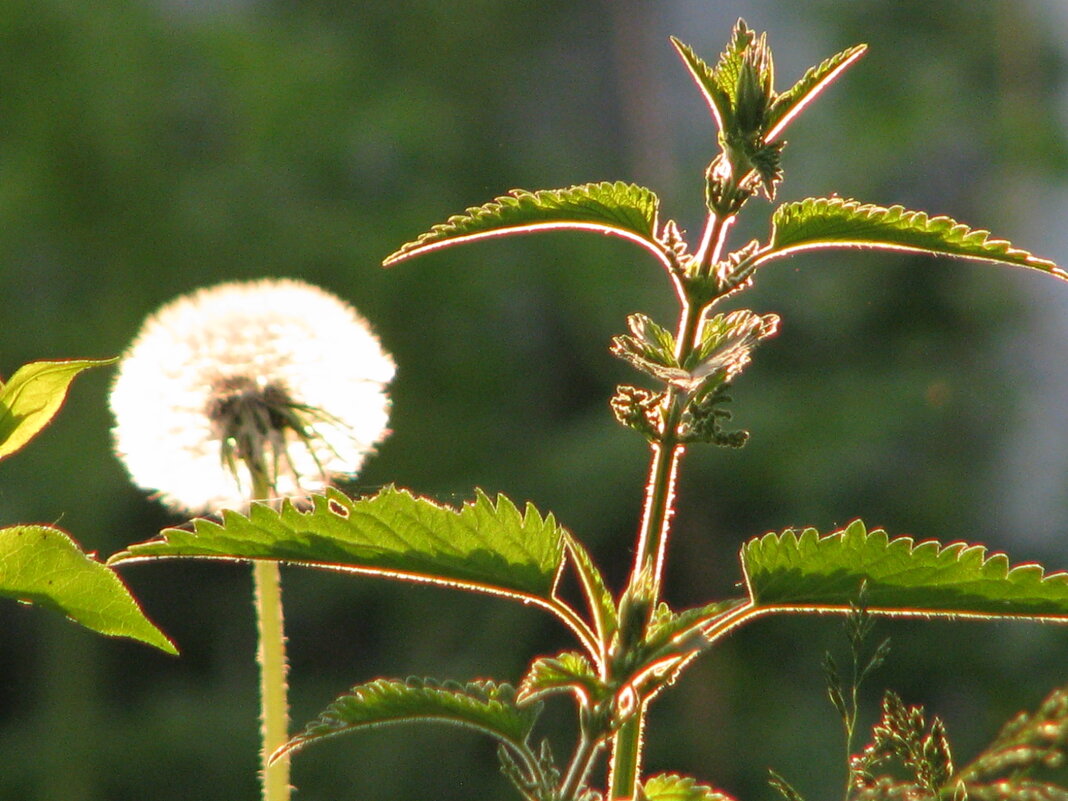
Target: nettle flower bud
(271, 384)
(753, 92)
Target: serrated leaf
(671, 641)
(618, 209)
(32, 396)
(656, 338)
(718, 97)
(727, 340)
(731, 61)
(683, 632)
(802, 571)
(649, 348)
(566, 672)
(724, 351)
(44, 566)
(790, 103)
(601, 604)
(836, 222)
(485, 545)
(648, 341)
(672, 787)
(481, 705)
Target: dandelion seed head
(275, 373)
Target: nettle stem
(580, 766)
(271, 656)
(627, 743)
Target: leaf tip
(166, 644)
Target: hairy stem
(580, 766)
(624, 771)
(627, 744)
(271, 655)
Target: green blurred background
(148, 148)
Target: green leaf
(569, 671)
(617, 208)
(724, 351)
(649, 347)
(31, 398)
(485, 545)
(727, 340)
(790, 103)
(670, 643)
(731, 64)
(481, 705)
(802, 571)
(836, 222)
(602, 605)
(672, 787)
(719, 97)
(682, 633)
(44, 566)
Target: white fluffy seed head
(308, 362)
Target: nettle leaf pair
(42, 564)
(631, 645)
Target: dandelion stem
(271, 655)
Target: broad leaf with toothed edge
(44, 566)
(617, 209)
(482, 705)
(804, 572)
(569, 671)
(835, 222)
(485, 546)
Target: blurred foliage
(147, 148)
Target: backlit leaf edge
(482, 705)
(44, 566)
(617, 208)
(838, 222)
(804, 571)
(394, 533)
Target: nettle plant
(279, 443)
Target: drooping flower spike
(272, 383)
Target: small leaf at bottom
(44, 566)
(483, 705)
(672, 787)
